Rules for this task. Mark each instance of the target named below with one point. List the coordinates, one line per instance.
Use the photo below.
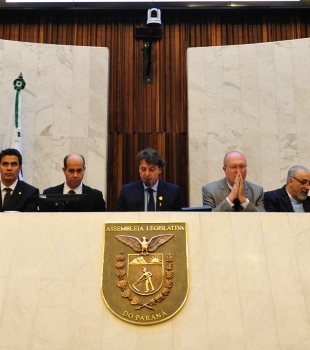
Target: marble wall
(251, 98)
(63, 108)
(249, 283)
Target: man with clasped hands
(234, 193)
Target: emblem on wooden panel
(145, 280)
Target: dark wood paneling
(150, 115)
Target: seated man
(74, 169)
(150, 193)
(292, 197)
(233, 193)
(16, 195)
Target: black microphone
(147, 183)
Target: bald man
(233, 192)
(74, 169)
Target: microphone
(147, 183)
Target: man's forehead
(144, 163)
(301, 173)
(235, 159)
(74, 163)
(75, 167)
(9, 158)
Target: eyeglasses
(235, 167)
(303, 182)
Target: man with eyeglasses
(233, 192)
(292, 197)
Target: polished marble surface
(249, 283)
(64, 108)
(251, 98)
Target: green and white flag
(12, 136)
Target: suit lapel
(60, 189)
(84, 201)
(224, 188)
(246, 189)
(286, 200)
(306, 204)
(139, 193)
(16, 195)
(161, 193)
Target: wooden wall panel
(150, 115)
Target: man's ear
(63, 169)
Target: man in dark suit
(234, 193)
(16, 195)
(150, 193)
(292, 197)
(74, 169)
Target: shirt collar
(77, 190)
(12, 187)
(297, 201)
(154, 188)
(230, 187)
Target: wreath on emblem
(126, 293)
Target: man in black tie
(74, 169)
(233, 193)
(150, 193)
(16, 195)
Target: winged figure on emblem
(144, 246)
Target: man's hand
(238, 190)
(235, 190)
(241, 196)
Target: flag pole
(12, 135)
(19, 84)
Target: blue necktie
(151, 203)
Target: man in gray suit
(233, 193)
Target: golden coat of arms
(145, 271)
